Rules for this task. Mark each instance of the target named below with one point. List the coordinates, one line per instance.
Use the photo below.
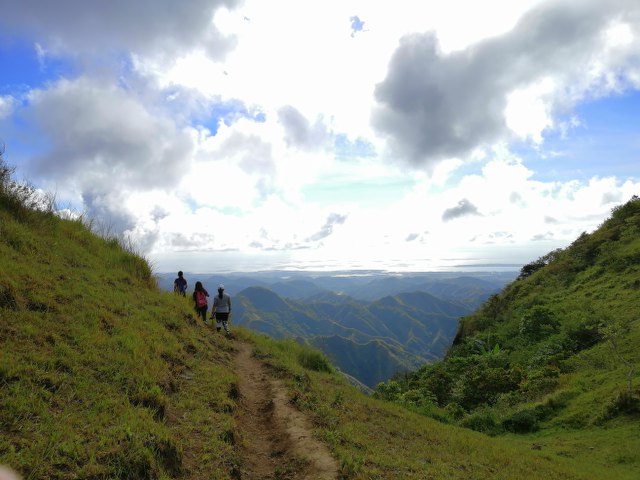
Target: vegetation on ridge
(555, 351)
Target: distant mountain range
(370, 326)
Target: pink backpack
(201, 299)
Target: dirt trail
(276, 438)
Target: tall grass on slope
(101, 374)
(374, 439)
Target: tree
(536, 265)
(613, 332)
(538, 322)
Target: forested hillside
(557, 349)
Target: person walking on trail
(200, 295)
(221, 310)
(180, 284)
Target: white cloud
(433, 105)
(7, 106)
(242, 134)
(156, 28)
(103, 143)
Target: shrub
(314, 360)
(623, 403)
(524, 421)
(454, 411)
(585, 334)
(482, 385)
(483, 421)
(536, 265)
(553, 404)
(538, 322)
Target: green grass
(374, 439)
(101, 374)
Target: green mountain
(369, 341)
(555, 353)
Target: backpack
(201, 299)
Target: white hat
(221, 287)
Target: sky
(227, 135)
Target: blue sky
(217, 135)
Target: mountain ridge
(408, 329)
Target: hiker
(200, 295)
(221, 310)
(180, 284)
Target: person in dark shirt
(180, 284)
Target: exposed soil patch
(276, 439)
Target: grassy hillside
(553, 359)
(103, 376)
(374, 439)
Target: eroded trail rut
(277, 441)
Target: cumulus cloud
(327, 229)
(433, 106)
(411, 237)
(542, 237)
(299, 132)
(145, 27)
(463, 209)
(7, 106)
(103, 142)
(193, 241)
(250, 152)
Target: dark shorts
(222, 317)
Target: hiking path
(277, 439)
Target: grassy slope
(101, 374)
(374, 439)
(104, 376)
(573, 392)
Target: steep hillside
(556, 350)
(368, 362)
(98, 367)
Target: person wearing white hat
(221, 310)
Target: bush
(585, 334)
(538, 323)
(623, 403)
(483, 421)
(454, 411)
(482, 385)
(553, 404)
(524, 421)
(313, 360)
